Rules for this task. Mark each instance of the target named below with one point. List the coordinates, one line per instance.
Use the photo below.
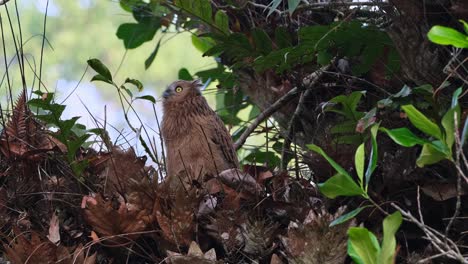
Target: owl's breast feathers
(195, 136)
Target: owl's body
(197, 142)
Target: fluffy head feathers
(180, 91)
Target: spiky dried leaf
(116, 226)
(313, 241)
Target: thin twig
(264, 115)
(291, 130)
(307, 83)
(459, 177)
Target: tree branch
(307, 83)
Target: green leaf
(348, 126)
(282, 38)
(324, 57)
(292, 5)
(465, 25)
(262, 41)
(359, 163)
(353, 254)
(347, 216)
(202, 9)
(135, 34)
(147, 97)
(429, 155)
(464, 133)
(340, 185)
(222, 21)
(203, 44)
(404, 137)
(152, 56)
(364, 244)
(99, 77)
(135, 82)
(448, 122)
(274, 4)
(100, 68)
(335, 165)
(263, 157)
(391, 224)
(447, 36)
(184, 74)
(421, 122)
(373, 155)
(455, 96)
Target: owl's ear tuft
(197, 83)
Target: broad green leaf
(353, 254)
(349, 139)
(359, 159)
(262, 41)
(263, 157)
(100, 68)
(447, 36)
(429, 155)
(347, 216)
(135, 82)
(421, 122)
(135, 34)
(147, 97)
(340, 185)
(203, 43)
(222, 21)
(373, 155)
(391, 224)
(152, 56)
(364, 244)
(282, 38)
(404, 137)
(292, 5)
(344, 127)
(202, 9)
(335, 165)
(99, 77)
(324, 57)
(448, 122)
(184, 74)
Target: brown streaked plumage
(195, 137)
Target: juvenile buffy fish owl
(198, 144)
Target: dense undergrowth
(378, 174)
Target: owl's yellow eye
(178, 89)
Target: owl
(198, 145)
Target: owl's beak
(167, 93)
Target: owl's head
(179, 91)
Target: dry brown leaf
(24, 137)
(275, 259)
(81, 255)
(314, 242)
(116, 226)
(54, 229)
(441, 192)
(22, 249)
(258, 172)
(122, 169)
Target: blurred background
(77, 31)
